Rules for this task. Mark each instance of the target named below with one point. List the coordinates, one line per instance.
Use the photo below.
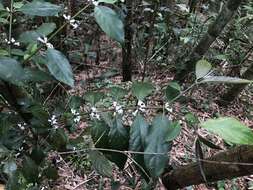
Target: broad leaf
(222, 79)
(174, 131)
(100, 163)
(156, 143)
(203, 67)
(118, 92)
(172, 91)
(93, 97)
(38, 8)
(142, 89)
(230, 129)
(11, 71)
(59, 66)
(110, 22)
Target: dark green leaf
(200, 157)
(93, 97)
(58, 139)
(38, 8)
(110, 22)
(174, 131)
(172, 91)
(51, 172)
(100, 163)
(157, 146)
(59, 66)
(142, 89)
(118, 92)
(30, 170)
(11, 71)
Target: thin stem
(10, 26)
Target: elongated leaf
(100, 163)
(222, 79)
(230, 129)
(11, 71)
(118, 140)
(138, 133)
(202, 68)
(59, 66)
(110, 23)
(107, 1)
(32, 36)
(38, 8)
(142, 89)
(156, 143)
(30, 170)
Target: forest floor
(200, 101)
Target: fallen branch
(215, 168)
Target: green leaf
(222, 79)
(118, 92)
(99, 134)
(58, 139)
(172, 91)
(230, 129)
(142, 89)
(59, 66)
(156, 142)
(38, 8)
(100, 163)
(203, 67)
(110, 23)
(138, 133)
(11, 71)
(32, 36)
(174, 131)
(118, 140)
(30, 170)
(93, 97)
(51, 172)
(33, 75)
(3, 52)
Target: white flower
(72, 22)
(8, 9)
(44, 40)
(53, 122)
(167, 107)
(94, 113)
(12, 41)
(141, 107)
(22, 126)
(118, 108)
(95, 2)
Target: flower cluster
(141, 107)
(44, 40)
(118, 108)
(76, 115)
(94, 114)
(74, 23)
(53, 122)
(12, 41)
(22, 126)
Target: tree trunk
(223, 165)
(233, 92)
(213, 32)
(127, 47)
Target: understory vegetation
(123, 94)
